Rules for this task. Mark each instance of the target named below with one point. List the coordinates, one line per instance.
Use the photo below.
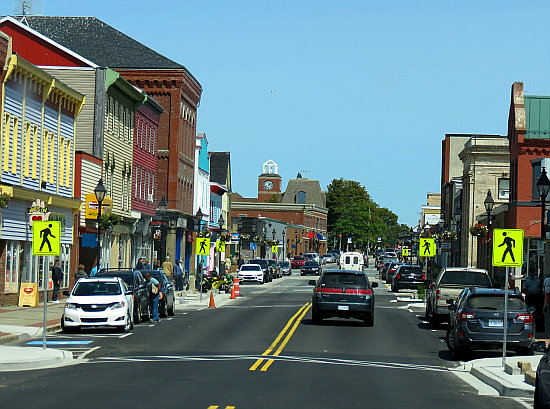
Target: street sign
(274, 249)
(220, 246)
(202, 246)
(405, 252)
(253, 246)
(349, 240)
(508, 247)
(446, 246)
(46, 238)
(427, 247)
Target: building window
(504, 188)
(300, 198)
(13, 249)
(537, 165)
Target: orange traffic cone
(237, 288)
(233, 295)
(212, 304)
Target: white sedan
(251, 272)
(99, 302)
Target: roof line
(48, 40)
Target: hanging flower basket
(109, 220)
(5, 200)
(225, 237)
(479, 229)
(447, 235)
(245, 236)
(272, 242)
(258, 239)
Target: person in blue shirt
(95, 270)
(153, 287)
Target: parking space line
(126, 335)
(89, 351)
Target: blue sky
(363, 90)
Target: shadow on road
(335, 323)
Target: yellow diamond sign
(220, 246)
(426, 247)
(46, 238)
(202, 246)
(508, 247)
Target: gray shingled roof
(99, 42)
(219, 167)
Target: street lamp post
(489, 204)
(543, 186)
(296, 243)
(239, 229)
(284, 255)
(100, 192)
(221, 264)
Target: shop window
(504, 188)
(13, 249)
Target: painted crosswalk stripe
(82, 342)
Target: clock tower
(269, 182)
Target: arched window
(300, 198)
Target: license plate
(495, 323)
(343, 307)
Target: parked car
(268, 275)
(275, 269)
(311, 267)
(314, 256)
(285, 267)
(251, 272)
(407, 276)
(384, 262)
(542, 380)
(343, 294)
(135, 282)
(477, 319)
(298, 261)
(391, 254)
(448, 285)
(167, 302)
(99, 302)
(388, 274)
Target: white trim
(57, 67)
(48, 40)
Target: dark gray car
(343, 294)
(407, 276)
(477, 322)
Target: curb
(501, 385)
(55, 359)
(15, 337)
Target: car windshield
(299, 258)
(407, 270)
(340, 280)
(310, 264)
(284, 263)
(127, 278)
(263, 263)
(466, 278)
(85, 288)
(250, 268)
(495, 303)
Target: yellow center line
(287, 338)
(281, 334)
(213, 407)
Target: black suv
(343, 294)
(477, 322)
(268, 273)
(276, 270)
(407, 276)
(135, 282)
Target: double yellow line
(289, 330)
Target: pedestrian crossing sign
(220, 246)
(202, 246)
(275, 249)
(507, 247)
(46, 238)
(427, 247)
(405, 252)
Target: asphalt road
(212, 358)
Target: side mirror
(374, 285)
(312, 282)
(538, 346)
(67, 293)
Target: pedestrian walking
(80, 273)
(146, 264)
(139, 264)
(178, 276)
(57, 277)
(531, 289)
(156, 264)
(168, 267)
(227, 262)
(198, 276)
(153, 289)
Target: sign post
(46, 241)
(507, 252)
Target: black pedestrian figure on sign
(510, 243)
(44, 235)
(426, 247)
(203, 247)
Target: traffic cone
(233, 295)
(237, 287)
(212, 304)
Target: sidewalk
(191, 300)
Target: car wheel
(316, 317)
(394, 289)
(427, 313)
(538, 402)
(137, 313)
(434, 320)
(457, 351)
(172, 310)
(369, 319)
(127, 325)
(164, 312)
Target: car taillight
(464, 316)
(437, 294)
(398, 276)
(423, 276)
(392, 270)
(525, 318)
(369, 292)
